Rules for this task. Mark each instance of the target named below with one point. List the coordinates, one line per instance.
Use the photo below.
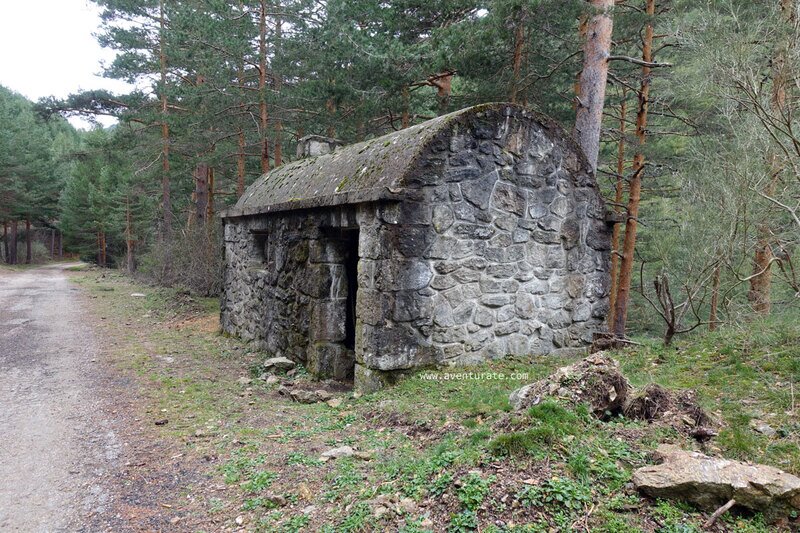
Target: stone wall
(284, 284)
(500, 247)
(503, 250)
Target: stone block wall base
(368, 380)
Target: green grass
(451, 445)
(740, 374)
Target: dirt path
(56, 441)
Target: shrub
(192, 260)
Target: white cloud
(48, 48)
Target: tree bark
(618, 195)
(444, 86)
(712, 315)
(102, 237)
(405, 116)
(629, 243)
(130, 257)
(13, 244)
(166, 202)
(5, 241)
(278, 151)
(28, 251)
(262, 85)
(210, 203)
(519, 45)
(759, 295)
(201, 193)
(597, 49)
(582, 27)
(330, 106)
(240, 165)
(52, 243)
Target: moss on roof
(368, 171)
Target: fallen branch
(719, 512)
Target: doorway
(342, 259)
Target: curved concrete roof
(378, 169)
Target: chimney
(314, 145)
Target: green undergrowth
(443, 443)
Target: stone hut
(469, 237)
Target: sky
(47, 47)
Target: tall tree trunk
(618, 195)
(130, 257)
(262, 85)
(712, 315)
(444, 86)
(241, 154)
(166, 202)
(101, 241)
(5, 241)
(596, 51)
(405, 117)
(201, 193)
(13, 243)
(28, 251)
(210, 209)
(330, 106)
(52, 243)
(278, 151)
(761, 281)
(583, 25)
(240, 165)
(759, 294)
(519, 46)
(60, 244)
(629, 243)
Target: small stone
(407, 505)
(279, 363)
(272, 379)
(304, 492)
(162, 422)
(380, 511)
(763, 428)
(335, 402)
(304, 396)
(244, 381)
(364, 456)
(323, 395)
(137, 295)
(336, 453)
(239, 520)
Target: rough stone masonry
(469, 237)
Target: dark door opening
(350, 238)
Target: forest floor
(206, 445)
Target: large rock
(709, 482)
(596, 381)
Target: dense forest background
(698, 155)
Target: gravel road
(57, 443)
